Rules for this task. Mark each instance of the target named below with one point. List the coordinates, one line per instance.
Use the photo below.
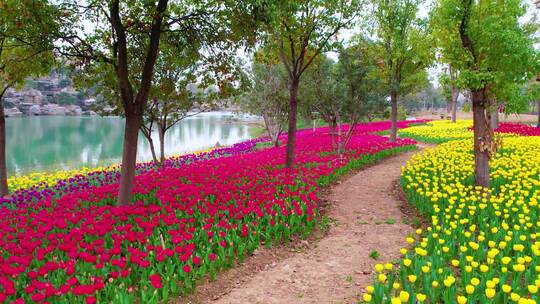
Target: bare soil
(369, 219)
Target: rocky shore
(51, 95)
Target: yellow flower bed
(43, 179)
(481, 246)
(439, 131)
(46, 179)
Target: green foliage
(466, 108)
(299, 30)
(170, 97)
(531, 91)
(404, 45)
(64, 98)
(265, 93)
(489, 46)
(390, 221)
(427, 97)
(319, 91)
(198, 32)
(263, 145)
(362, 92)
(25, 41)
(402, 112)
(344, 91)
(374, 254)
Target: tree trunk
(276, 139)
(333, 135)
(134, 106)
(393, 116)
(481, 129)
(147, 133)
(494, 117)
(4, 190)
(538, 124)
(455, 93)
(273, 128)
(291, 132)
(152, 149)
(161, 134)
(348, 135)
(129, 158)
(453, 105)
(339, 134)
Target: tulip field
(65, 241)
(481, 246)
(436, 132)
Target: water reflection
(48, 143)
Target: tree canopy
(299, 31)
(404, 47)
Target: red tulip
(155, 279)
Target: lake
(51, 143)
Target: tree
(359, 89)
(428, 97)
(170, 99)
(120, 34)
(266, 95)
(448, 80)
(25, 50)
(531, 90)
(346, 91)
(301, 30)
(404, 47)
(319, 93)
(493, 52)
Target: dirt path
(366, 218)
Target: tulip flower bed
(36, 186)
(518, 129)
(482, 246)
(441, 131)
(193, 218)
(380, 126)
(40, 186)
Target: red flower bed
(187, 222)
(518, 129)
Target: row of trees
(488, 52)
(347, 91)
(142, 55)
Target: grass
(374, 254)
(324, 224)
(257, 131)
(262, 145)
(390, 221)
